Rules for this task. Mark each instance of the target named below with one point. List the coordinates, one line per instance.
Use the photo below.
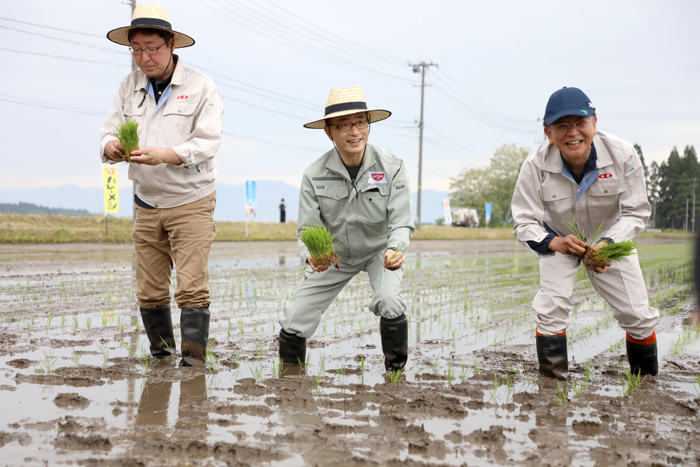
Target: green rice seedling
(63, 320)
(399, 249)
(172, 352)
(602, 257)
(494, 391)
(395, 376)
(464, 373)
(697, 378)
(104, 351)
(342, 370)
(419, 370)
(362, 364)
(319, 241)
(278, 369)
(75, 358)
(579, 386)
(128, 348)
(630, 381)
(316, 380)
(562, 393)
(210, 360)
(128, 135)
(476, 368)
(256, 373)
(322, 363)
(88, 322)
(518, 370)
(47, 363)
(145, 362)
(450, 374)
(437, 362)
(590, 371)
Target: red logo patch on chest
(183, 97)
(605, 176)
(378, 177)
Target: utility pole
(420, 68)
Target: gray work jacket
(617, 198)
(372, 215)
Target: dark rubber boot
(643, 358)
(552, 356)
(292, 348)
(159, 329)
(394, 342)
(194, 325)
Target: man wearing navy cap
(597, 179)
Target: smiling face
(351, 145)
(573, 136)
(158, 65)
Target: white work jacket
(616, 198)
(186, 119)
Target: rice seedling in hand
(399, 249)
(319, 241)
(128, 134)
(602, 257)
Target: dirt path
(76, 388)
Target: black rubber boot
(643, 358)
(394, 342)
(194, 325)
(159, 329)
(552, 356)
(292, 348)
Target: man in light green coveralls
(360, 193)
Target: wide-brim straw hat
(346, 101)
(151, 17)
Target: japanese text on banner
(111, 188)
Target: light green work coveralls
(366, 218)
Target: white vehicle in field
(465, 217)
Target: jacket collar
(177, 79)
(335, 163)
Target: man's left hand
(607, 263)
(393, 259)
(149, 155)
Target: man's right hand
(569, 245)
(114, 150)
(315, 267)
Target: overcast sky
(275, 61)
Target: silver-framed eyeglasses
(565, 127)
(346, 126)
(148, 50)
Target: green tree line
(29, 208)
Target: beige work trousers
(181, 236)
(621, 285)
(317, 290)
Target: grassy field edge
(35, 229)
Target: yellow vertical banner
(111, 187)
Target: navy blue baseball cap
(566, 102)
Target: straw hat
(152, 17)
(346, 101)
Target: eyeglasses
(565, 127)
(148, 50)
(346, 126)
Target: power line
(326, 34)
(51, 27)
(60, 57)
(60, 39)
(306, 48)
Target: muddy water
(76, 387)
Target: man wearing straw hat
(361, 194)
(179, 114)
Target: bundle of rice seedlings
(602, 257)
(128, 134)
(319, 241)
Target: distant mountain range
(230, 202)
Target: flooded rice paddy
(77, 385)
